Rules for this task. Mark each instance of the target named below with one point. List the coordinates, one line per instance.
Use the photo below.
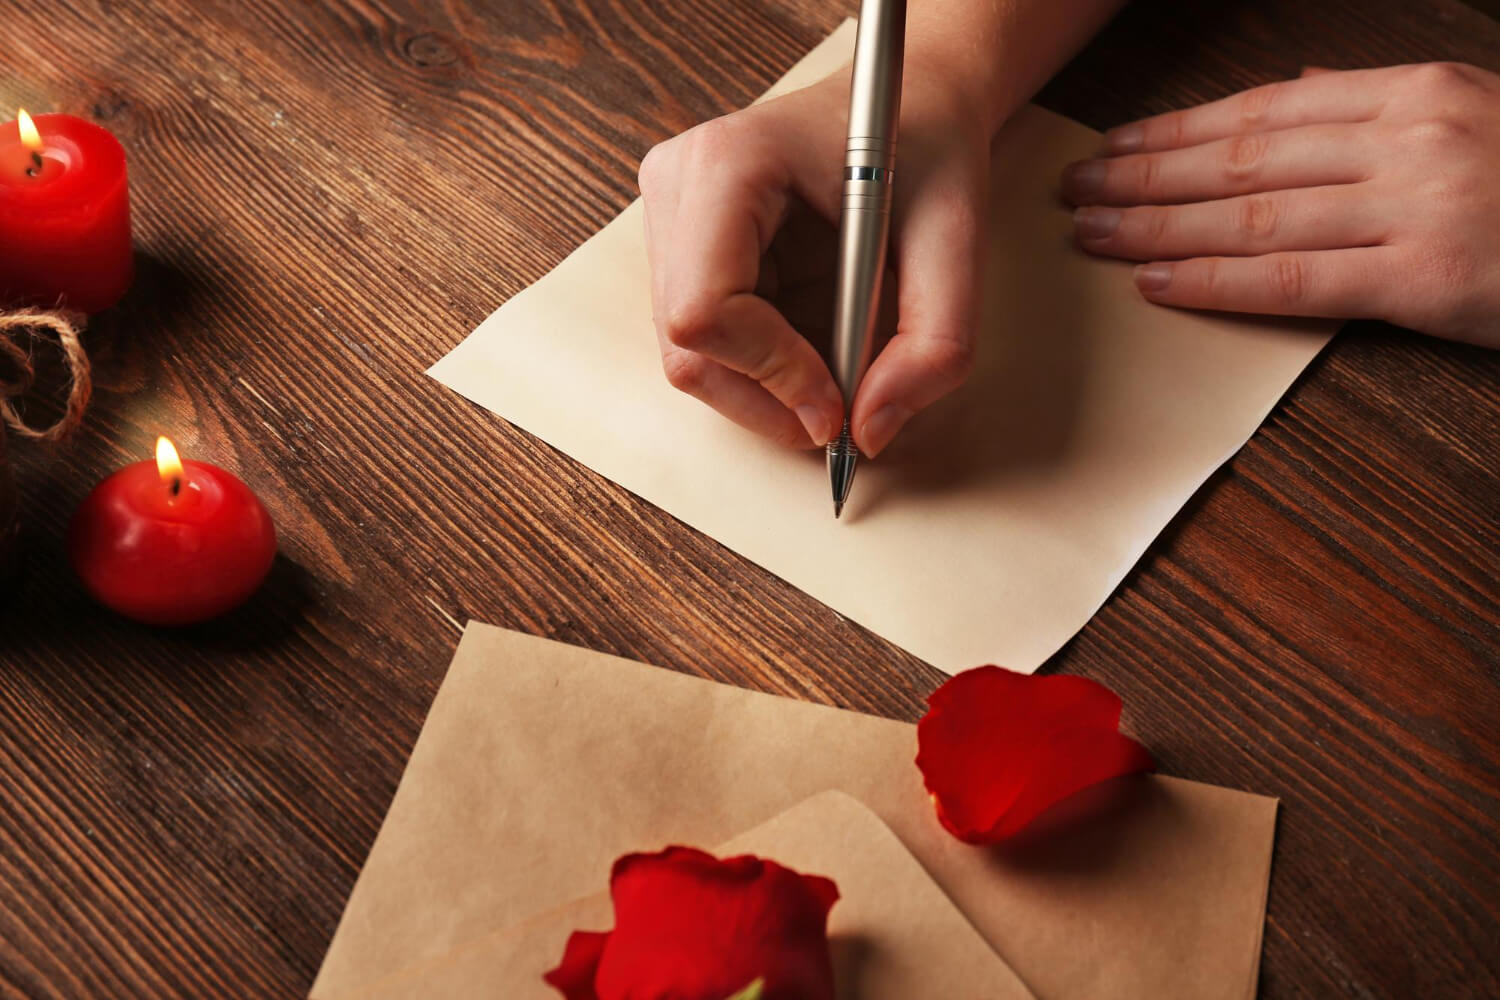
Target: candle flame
(30, 137)
(168, 465)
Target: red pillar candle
(171, 542)
(64, 214)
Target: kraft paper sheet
(1001, 520)
(541, 763)
(894, 935)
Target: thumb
(938, 248)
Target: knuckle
(1202, 279)
(1259, 217)
(1256, 104)
(1174, 126)
(1447, 267)
(947, 361)
(1287, 276)
(689, 325)
(1436, 134)
(732, 154)
(772, 369)
(1461, 187)
(1148, 177)
(711, 138)
(1244, 156)
(1441, 78)
(721, 141)
(1438, 296)
(685, 371)
(655, 167)
(1155, 224)
(1445, 192)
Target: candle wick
(36, 158)
(176, 487)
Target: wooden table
(330, 196)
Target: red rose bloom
(996, 748)
(691, 927)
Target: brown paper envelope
(1001, 519)
(540, 763)
(894, 934)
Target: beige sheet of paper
(894, 935)
(540, 763)
(1002, 519)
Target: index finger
(1349, 96)
(707, 304)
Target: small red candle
(64, 214)
(171, 542)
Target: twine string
(20, 331)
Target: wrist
(937, 101)
(937, 76)
(995, 56)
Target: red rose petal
(1075, 760)
(996, 748)
(986, 715)
(1084, 701)
(574, 975)
(689, 926)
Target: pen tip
(838, 508)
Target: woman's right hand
(716, 195)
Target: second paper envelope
(1002, 519)
(540, 763)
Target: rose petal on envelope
(1076, 759)
(996, 748)
(1079, 699)
(691, 926)
(574, 975)
(981, 719)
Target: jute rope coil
(20, 332)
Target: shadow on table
(158, 306)
(45, 602)
(271, 615)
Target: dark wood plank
(329, 196)
(1489, 7)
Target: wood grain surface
(329, 196)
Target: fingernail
(1083, 179)
(815, 419)
(1094, 223)
(881, 427)
(1153, 277)
(1125, 139)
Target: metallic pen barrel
(864, 228)
(865, 214)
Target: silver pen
(865, 216)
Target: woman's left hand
(1362, 194)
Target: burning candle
(171, 542)
(64, 214)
